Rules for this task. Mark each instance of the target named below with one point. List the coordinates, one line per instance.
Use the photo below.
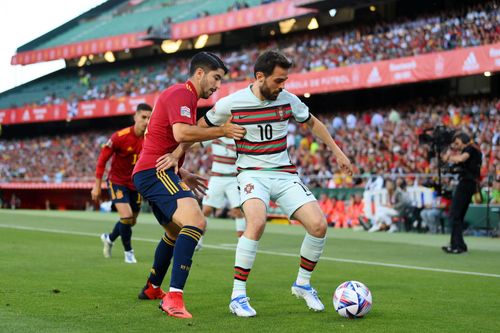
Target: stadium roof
(122, 24)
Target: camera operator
(468, 162)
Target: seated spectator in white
(398, 201)
(375, 182)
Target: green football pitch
(53, 278)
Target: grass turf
(53, 278)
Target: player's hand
(345, 165)
(95, 193)
(196, 184)
(167, 161)
(233, 131)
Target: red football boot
(148, 292)
(173, 305)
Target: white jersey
(224, 156)
(264, 146)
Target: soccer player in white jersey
(265, 172)
(223, 184)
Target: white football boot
(310, 295)
(240, 307)
(130, 257)
(107, 245)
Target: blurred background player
(173, 121)
(124, 147)
(266, 172)
(223, 184)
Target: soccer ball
(352, 299)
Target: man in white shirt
(266, 172)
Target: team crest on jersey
(185, 111)
(130, 149)
(248, 188)
(119, 194)
(184, 186)
(280, 112)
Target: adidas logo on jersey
(470, 64)
(374, 76)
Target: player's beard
(205, 91)
(267, 93)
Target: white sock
(240, 224)
(175, 290)
(245, 257)
(310, 252)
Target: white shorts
(287, 190)
(220, 188)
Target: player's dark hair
(206, 61)
(462, 137)
(143, 107)
(268, 60)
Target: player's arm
(219, 122)
(190, 133)
(319, 130)
(104, 156)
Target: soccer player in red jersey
(169, 192)
(124, 147)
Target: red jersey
(125, 146)
(176, 104)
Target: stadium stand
(311, 51)
(381, 141)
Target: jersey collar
(191, 88)
(261, 102)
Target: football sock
(311, 250)
(115, 233)
(163, 256)
(245, 257)
(183, 255)
(240, 224)
(126, 233)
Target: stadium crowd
(313, 51)
(381, 141)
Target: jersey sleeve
(107, 151)
(300, 111)
(180, 109)
(220, 113)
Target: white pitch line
(282, 254)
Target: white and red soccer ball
(352, 299)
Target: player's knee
(319, 227)
(201, 224)
(199, 221)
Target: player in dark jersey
(124, 147)
(169, 193)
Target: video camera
(438, 138)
